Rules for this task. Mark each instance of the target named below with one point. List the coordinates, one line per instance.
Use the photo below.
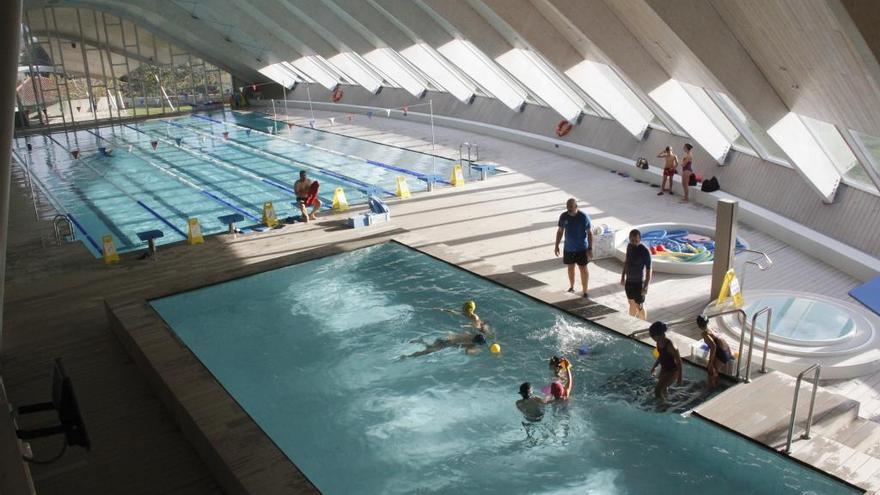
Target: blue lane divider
(85, 232)
(405, 171)
(367, 188)
(211, 195)
(163, 220)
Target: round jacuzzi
(809, 328)
(680, 248)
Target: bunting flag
(177, 140)
(388, 112)
(332, 120)
(225, 134)
(254, 87)
(312, 124)
(248, 132)
(78, 108)
(75, 154)
(290, 125)
(370, 114)
(154, 144)
(405, 109)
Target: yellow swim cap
(470, 306)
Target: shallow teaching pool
(311, 352)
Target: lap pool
(311, 353)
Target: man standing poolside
(636, 274)
(575, 225)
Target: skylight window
(317, 70)
(352, 66)
(675, 101)
(476, 65)
(543, 81)
(763, 145)
(605, 87)
(838, 151)
(280, 74)
(385, 59)
(870, 147)
(431, 63)
(809, 158)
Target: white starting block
(379, 213)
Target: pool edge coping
(215, 451)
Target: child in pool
(561, 369)
(468, 310)
(719, 351)
(668, 359)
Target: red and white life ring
(563, 128)
(337, 94)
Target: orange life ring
(563, 128)
(336, 95)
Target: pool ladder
(742, 336)
(473, 154)
(60, 223)
(794, 404)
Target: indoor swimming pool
(312, 352)
(160, 173)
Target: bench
(230, 220)
(150, 236)
(484, 169)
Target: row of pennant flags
(350, 117)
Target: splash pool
(676, 247)
(311, 352)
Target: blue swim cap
(657, 328)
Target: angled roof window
(435, 66)
(280, 74)
(870, 147)
(313, 66)
(542, 80)
(838, 151)
(675, 101)
(763, 145)
(807, 155)
(605, 87)
(385, 59)
(478, 66)
(357, 70)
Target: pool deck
(502, 228)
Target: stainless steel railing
(60, 236)
(769, 311)
(763, 262)
(794, 404)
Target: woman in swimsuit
(669, 360)
(687, 161)
(719, 351)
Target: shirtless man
(668, 169)
(469, 342)
(531, 406)
(301, 188)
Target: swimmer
(469, 342)
(561, 369)
(668, 359)
(468, 310)
(559, 392)
(719, 351)
(530, 405)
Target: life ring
(563, 128)
(336, 95)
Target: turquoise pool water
(312, 351)
(804, 319)
(207, 175)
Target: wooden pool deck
(55, 296)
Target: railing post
(766, 338)
(794, 405)
(812, 401)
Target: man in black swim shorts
(575, 225)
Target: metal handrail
(769, 311)
(794, 405)
(757, 263)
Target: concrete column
(725, 242)
(11, 29)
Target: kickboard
(313, 193)
(868, 294)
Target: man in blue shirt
(636, 274)
(575, 225)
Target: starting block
(230, 220)
(150, 236)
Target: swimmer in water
(468, 310)
(469, 342)
(561, 369)
(531, 406)
(668, 359)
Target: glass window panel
(871, 149)
(384, 60)
(474, 63)
(604, 86)
(808, 156)
(763, 144)
(351, 65)
(280, 75)
(431, 63)
(678, 104)
(721, 122)
(317, 71)
(539, 80)
(838, 151)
